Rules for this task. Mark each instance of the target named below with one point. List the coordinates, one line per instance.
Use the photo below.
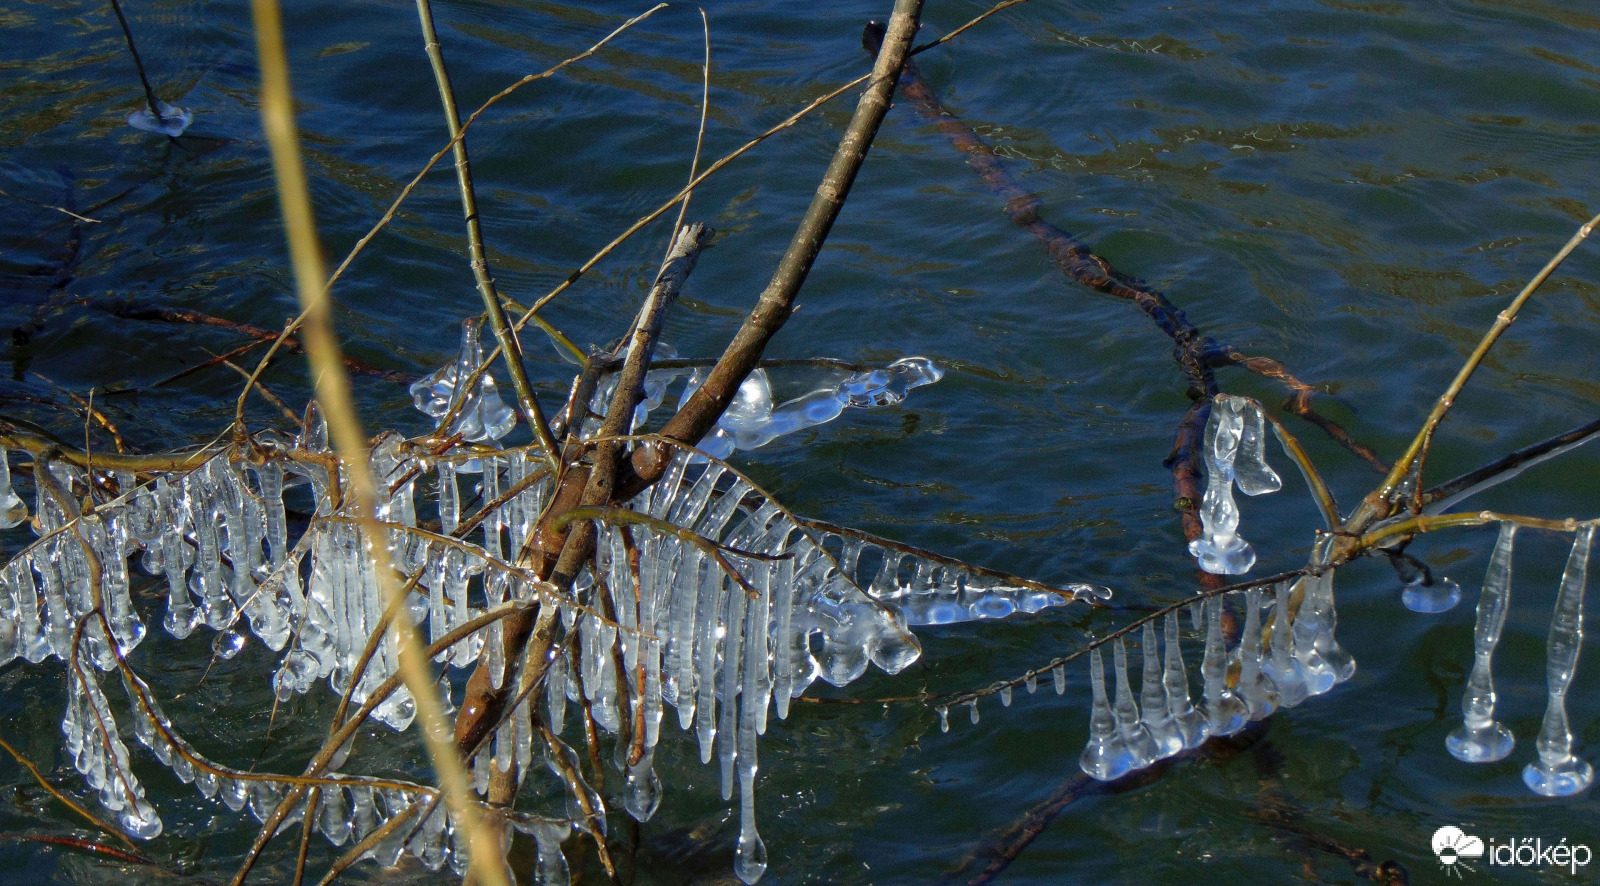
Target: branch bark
(700, 414)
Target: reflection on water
(1352, 188)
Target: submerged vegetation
(529, 592)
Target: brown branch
(697, 416)
(154, 314)
(1299, 402)
(996, 853)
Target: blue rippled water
(1352, 188)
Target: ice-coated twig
(1480, 738)
(1557, 773)
(1219, 549)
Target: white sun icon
(1454, 847)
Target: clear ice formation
(13, 510)
(1557, 772)
(752, 420)
(1480, 738)
(1107, 756)
(1292, 658)
(1189, 723)
(1254, 687)
(1159, 722)
(1441, 596)
(1234, 451)
(218, 539)
(172, 122)
(1282, 665)
(481, 415)
(1225, 712)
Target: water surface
(1355, 189)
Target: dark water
(1352, 188)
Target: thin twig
(70, 803)
(1502, 469)
(510, 347)
(405, 192)
(1308, 470)
(706, 405)
(127, 34)
(333, 392)
(1417, 451)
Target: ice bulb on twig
(171, 122)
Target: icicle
(8, 618)
(556, 691)
(1225, 713)
(449, 499)
(1189, 723)
(491, 523)
(1254, 688)
(1219, 549)
(1480, 738)
(428, 844)
(1153, 698)
(751, 856)
(333, 816)
(524, 735)
(1031, 682)
(944, 718)
(1325, 618)
(1250, 469)
(1288, 675)
(1005, 696)
(731, 674)
(12, 508)
(1107, 755)
(1558, 773)
(1058, 675)
(182, 617)
(712, 591)
(1143, 748)
(552, 864)
(480, 770)
(39, 632)
(1319, 675)
(681, 681)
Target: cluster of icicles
(218, 535)
(1557, 772)
(1287, 652)
(811, 601)
(1294, 658)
